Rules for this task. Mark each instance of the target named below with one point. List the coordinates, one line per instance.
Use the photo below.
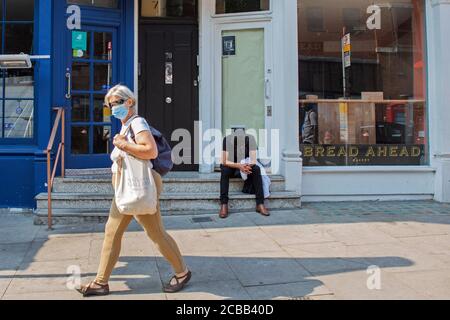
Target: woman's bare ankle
(183, 274)
(100, 283)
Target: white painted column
(438, 45)
(286, 106)
(206, 85)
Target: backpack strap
(130, 128)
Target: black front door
(168, 81)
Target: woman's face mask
(120, 112)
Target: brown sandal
(88, 291)
(172, 288)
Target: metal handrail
(60, 118)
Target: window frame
(240, 14)
(14, 140)
(169, 19)
(93, 7)
(426, 106)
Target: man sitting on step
(237, 147)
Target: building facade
(352, 95)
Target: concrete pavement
(370, 250)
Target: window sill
(368, 169)
(243, 14)
(11, 151)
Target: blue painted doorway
(91, 61)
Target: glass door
(90, 73)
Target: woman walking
(122, 102)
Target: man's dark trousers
(255, 177)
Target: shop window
(17, 85)
(238, 6)
(362, 83)
(315, 19)
(352, 19)
(113, 4)
(169, 8)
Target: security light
(15, 61)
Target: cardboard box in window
(346, 123)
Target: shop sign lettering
(364, 154)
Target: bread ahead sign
(351, 155)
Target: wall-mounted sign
(229, 45)
(360, 155)
(169, 73)
(346, 51)
(78, 53)
(79, 40)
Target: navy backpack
(163, 164)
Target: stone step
(178, 202)
(172, 184)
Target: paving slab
(192, 242)
(397, 257)
(5, 279)
(21, 233)
(265, 268)
(47, 296)
(241, 242)
(63, 231)
(47, 276)
(284, 217)
(433, 244)
(212, 290)
(404, 229)
(180, 223)
(235, 221)
(435, 284)
(353, 286)
(67, 248)
(12, 255)
(324, 266)
(290, 291)
(204, 268)
(317, 250)
(298, 234)
(358, 234)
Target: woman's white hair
(121, 91)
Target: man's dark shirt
(310, 126)
(239, 146)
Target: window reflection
(102, 139)
(16, 86)
(233, 6)
(19, 118)
(80, 140)
(169, 8)
(374, 112)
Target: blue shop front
(78, 50)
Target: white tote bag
(135, 188)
